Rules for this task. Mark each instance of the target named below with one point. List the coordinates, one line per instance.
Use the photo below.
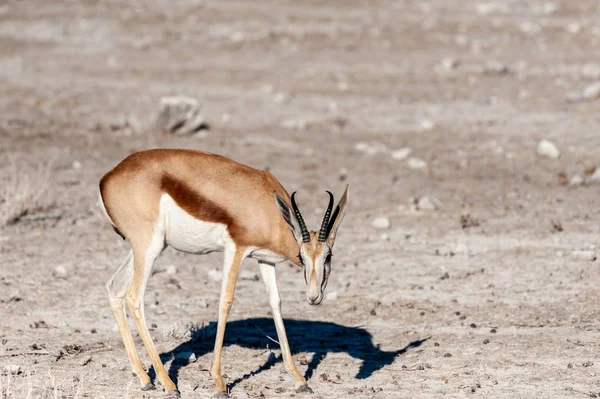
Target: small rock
(573, 28)
(86, 360)
(181, 115)
(584, 255)
(381, 223)
(416, 163)
(370, 148)
(331, 296)
(248, 275)
(495, 68)
(576, 180)
(61, 270)
(427, 203)
(592, 91)
(185, 357)
(450, 63)
(215, 275)
(401, 154)
(595, 177)
(12, 369)
(294, 124)
(172, 269)
(76, 165)
(591, 71)
(426, 124)
(548, 149)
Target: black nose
(315, 301)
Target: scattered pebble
(172, 269)
(548, 149)
(61, 270)
(294, 124)
(181, 115)
(576, 180)
(12, 369)
(248, 275)
(584, 255)
(76, 165)
(573, 28)
(401, 154)
(450, 63)
(486, 341)
(426, 203)
(331, 296)
(592, 91)
(426, 124)
(591, 71)
(370, 148)
(215, 275)
(381, 223)
(86, 360)
(595, 177)
(185, 357)
(493, 67)
(416, 163)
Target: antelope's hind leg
(117, 289)
(144, 258)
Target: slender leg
(268, 274)
(142, 270)
(231, 267)
(117, 289)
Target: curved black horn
(325, 222)
(303, 229)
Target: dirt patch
(488, 288)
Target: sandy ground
(486, 297)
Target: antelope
(197, 202)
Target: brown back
(209, 187)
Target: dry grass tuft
(22, 193)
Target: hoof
(173, 395)
(304, 389)
(148, 387)
(221, 395)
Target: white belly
(188, 234)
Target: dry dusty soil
(493, 295)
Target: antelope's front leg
(231, 268)
(268, 274)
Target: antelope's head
(316, 247)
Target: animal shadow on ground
(317, 337)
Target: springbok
(198, 202)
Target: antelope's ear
(289, 217)
(337, 217)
